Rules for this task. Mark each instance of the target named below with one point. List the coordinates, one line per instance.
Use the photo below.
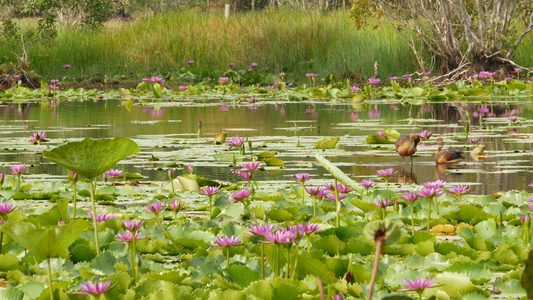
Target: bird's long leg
(411, 159)
(403, 158)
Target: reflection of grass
(295, 42)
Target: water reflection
(505, 166)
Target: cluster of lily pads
(198, 238)
(191, 81)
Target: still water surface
(170, 133)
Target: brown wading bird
(448, 156)
(406, 145)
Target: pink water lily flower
(419, 284)
(381, 133)
(261, 229)
(6, 208)
(354, 89)
(114, 173)
(223, 79)
(102, 217)
(128, 237)
(66, 66)
(133, 225)
(312, 191)
(385, 173)
(410, 197)
(38, 137)
(227, 241)
(459, 190)
(209, 190)
(176, 205)
(235, 141)
(240, 195)
(332, 196)
(301, 177)
(367, 183)
(278, 237)
(155, 208)
(251, 166)
(374, 80)
(94, 288)
(513, 118)
(155, 79)
(425, 134)
(18, 169)
(382, 203)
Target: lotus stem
(279, 263)
(18, 182)
(303, 194)
(384, 213)
(288, 261)
(133, 257)
(50, 279)
(295, 264)
(93, 205)
(314, 207)
(412, 218)
(227, 257)
(1, 241)
(166, 233)
(262, 260)
(437, 204)
(429, 212)
(388, 191)
(308, 244)
(379, 244)
(210, 207)
(172, 184)
(74, 200)
(337, 220)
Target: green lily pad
(327, 143)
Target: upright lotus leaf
(45, 242)
(372, 139)
(337, 173)
(390, 230)
(327, 143)
(91, 158)
(527, 276)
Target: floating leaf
(358, 98)
(390, 230)
(188, 184)
(327, 143)
(274, 162)
(242, 275)
(91, 158)
(373, 139)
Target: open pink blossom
(94, 288)
(419, 284)
(235, 141)
(374, 80)
(301, 177)
(240, 195)
(18, 169)
(261, 229)
(251, 166)
(103, 217)
(38, 137)
(458, 190)
(128, 237)
(176, 205)
(227, 241)
(367, 183)
(332, 196)
(114, 173)
(209, 190)
(385, 173)
(410, 197)
(223, 79)
(425, 134)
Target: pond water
(169, 132)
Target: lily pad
(327, 143)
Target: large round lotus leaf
(46, 242)
(91, 158)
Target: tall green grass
(296, 42)
(290, 41)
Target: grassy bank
(290, 41)
(294, 42)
